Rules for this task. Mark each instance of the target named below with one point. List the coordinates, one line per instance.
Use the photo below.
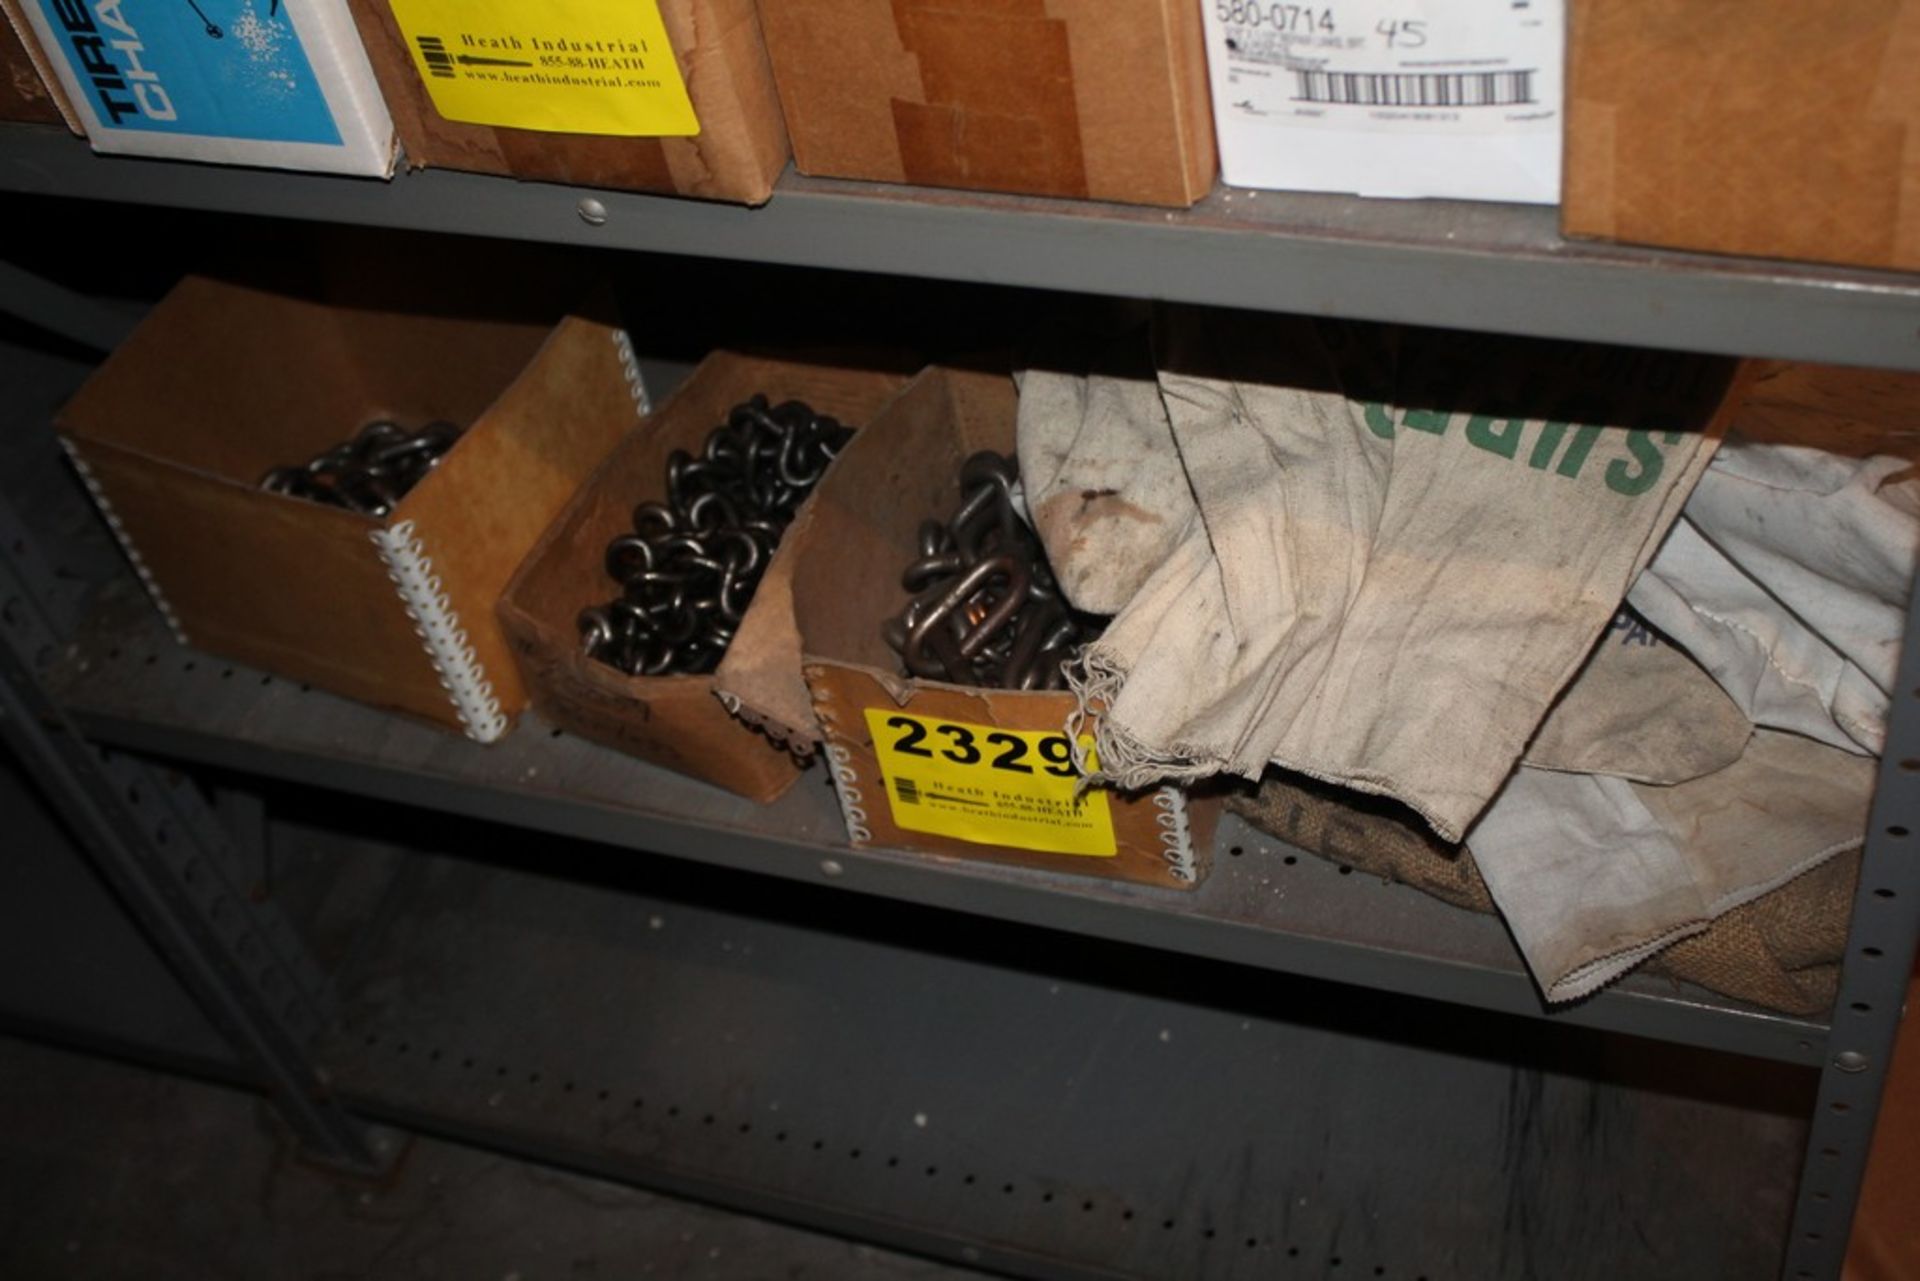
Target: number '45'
(1402, 35)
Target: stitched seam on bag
(1581, 979)
(1855, 727)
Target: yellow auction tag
(987, 785)
(564, 66)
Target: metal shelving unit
(1289, 1072)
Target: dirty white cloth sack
(1596, 874)
(1640, 709)
(1383, 597)
(1102, 476)
(1787, 578)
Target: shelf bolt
(831, 866)
(1850, 1061)
(592, 212)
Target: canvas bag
(1781, 949)
(1100, 472)
(1640, 709)
(1394, 569)
(1596, 874)
(1787, 578)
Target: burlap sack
(1781, 951)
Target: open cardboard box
(222, 382)
(989, 775)
(677, 722)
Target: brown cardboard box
(739, 152)
(221, 383)
(1747, 127)
(676, 722)
(29, 91)
(861, 532)
(1047, 97)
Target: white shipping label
(1417, 69)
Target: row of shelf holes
(1898, 831)
(221, 912)
(1290, 859)
(708, 1119)
(188, 665)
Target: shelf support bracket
(175, 867)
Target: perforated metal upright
(175, 867)
(1873, 990)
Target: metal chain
(371, 473)
(986, 610)
(689, 569)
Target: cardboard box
(991, 778)
(1757, 128)
(282, 86)
(716, 52)
(1043, 97)
(676, 722)
(29, 89)
(221, 383)
(1458, 99)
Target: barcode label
(433, 51)
(907, 790)
(1394, 89)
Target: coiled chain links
(371, 473)
(688, 570)
(986, 610)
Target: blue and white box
(278, 83)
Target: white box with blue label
(283, 84)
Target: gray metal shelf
(1502, 268)
(928, 1086)
(129, 684)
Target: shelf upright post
(1873, 988)
(174, 866)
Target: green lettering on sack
(1430, 421)
(1505, 442)
(1622, 478)
(1545, 447)
(1576, 456)
(1378, 418)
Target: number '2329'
(960, 747)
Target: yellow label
(988, 785)
(565, 66)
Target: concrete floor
(111, 1171)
